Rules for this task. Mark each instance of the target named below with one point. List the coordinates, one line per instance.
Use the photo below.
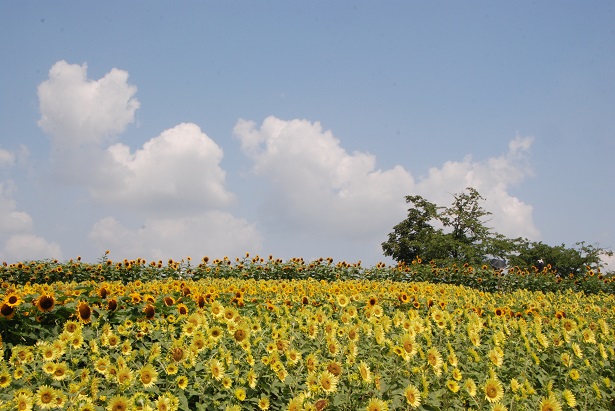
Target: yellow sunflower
(5, 379)
(413, 396)
(376, 404)
(182, 382)
(217, 369)
(84, 312)
(148, 375)
(263, 403)
(119, 403)
(45, 303)
(434, 358)
(60, 371)
(328, 382)
(24, 401)
(494, 390)
(7, 311)
(549, 404)
(13, 299)
(45, 397)
(365, 372)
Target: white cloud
(609, 263)
(173, 185)
(317, 185)
(7, 159)
(17, 241)
(11, 219)
(213, 233)
(492, 178)
(20, 247)
(76, 110)
(176, 172)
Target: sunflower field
(264, 334)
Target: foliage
(465, 238)
(563, 260)
(230, 341)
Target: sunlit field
(260, 333)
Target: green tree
(574, 260)
(463, 235)
(413, 236)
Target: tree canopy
(460, 233)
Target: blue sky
(164, 130)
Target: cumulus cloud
(214, 233)
(176, 172)
(76, 110)
(17, 240)
(173, 186)
(493, 179)
(21, 247)
(317, 185)
(7, 159)
(320, 187)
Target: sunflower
(182, 382)
(470, 386)
(148, 375)
(150, 311)
(5, 379)
(47, 351)
(102, 365)
(45, 397)
(84, 312)
(119, 403)
(124, 375)
(498, 406)
(413, 396)
(409, 344)
(7, 311)
(574, 374)
(240, 335)
(60, 371)
(217, 369)
(45, 303)
(334, 368)
(215, 333)
(452, 385)
(328, 382)
(496, 355)
(365, 372)
(227, 382)
(12, 299)
(49, 367)
(549, 404)
(376, 404)
(457, 374)
(87, 406)
(494, 391)
(182, 309)
(163, 403)
(24, 401)
(19, 372)
(569, 397)
(240, 394)
(434, 358)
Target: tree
(563, 260)
(411, 237)
(460, 233)
(463, 235)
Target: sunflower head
(45, 303)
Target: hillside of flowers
(264, 334)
